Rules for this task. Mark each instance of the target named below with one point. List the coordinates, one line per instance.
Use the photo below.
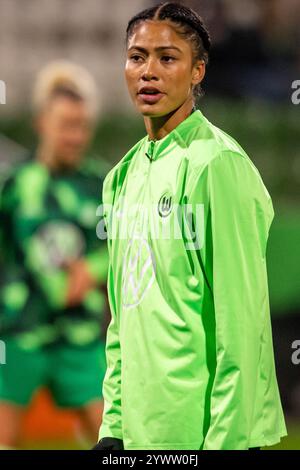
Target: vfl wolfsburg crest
(165, 205)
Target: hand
(109, 443)
(80, 282)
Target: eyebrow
(161, 48)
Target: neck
(45, 156)
(158, 127)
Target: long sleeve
(97, 263)
(112, 417)
(240, 215)
(112, 421)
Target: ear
(198, 73)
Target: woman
(52, 307)
(189, 347)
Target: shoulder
(31, 172)
(204, 141)
(12, 174)
(235, 174)
(26, 181)
(212, 151)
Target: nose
(149, 72)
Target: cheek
(129, 75)
(52, 134)
(180, 80)
(61, 137)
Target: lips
(150, 95)
(149, 90)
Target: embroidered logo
(165, 205)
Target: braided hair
(189, 25)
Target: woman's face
(64, 127)
(159, 69)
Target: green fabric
(97, 263)
(189, 347)
(47, 220)
(73, 374)
(15, 295)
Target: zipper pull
(149, 153)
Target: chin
(153, 111)
(70, 162)
(157, 110)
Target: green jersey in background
(189, 349)
(47, 220)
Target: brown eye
(168, 59)
(136, 58)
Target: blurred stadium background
(254, 60)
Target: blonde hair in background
(67, 75)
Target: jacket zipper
(147, 194)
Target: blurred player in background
(52, 299)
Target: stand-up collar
(155, 149)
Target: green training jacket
(190, 361)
